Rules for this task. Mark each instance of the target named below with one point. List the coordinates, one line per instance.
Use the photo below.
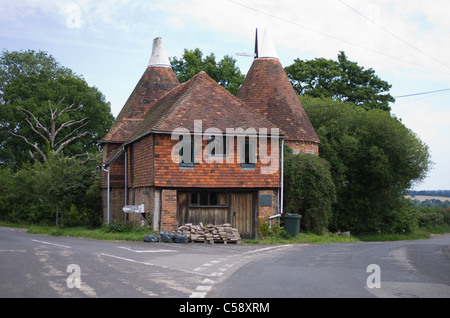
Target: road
(61, 267)
(406, 269)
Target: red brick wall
(168, 210)
(303, 147)
(264, 212)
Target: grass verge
(107, 232)
(127, 232)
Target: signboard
(265, 200)
(134, 208)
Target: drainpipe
(282, 176)
(107, 195)
(282, 186)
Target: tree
(34, 193)
(308, 189)
(49, 134)
(342, 80)
(374, 160)
(45, 107)
(225, 72)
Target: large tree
(225, 72)
(374, 160)
(45, 107)
(342, 80)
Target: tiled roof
(200, 98)
(154, 83)
(267, 90)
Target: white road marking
(53, 244)
(203, 288)
(146, 251)
(197, 295)
(127, 259)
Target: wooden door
(243, 215)
(215, 216)
(182, 211)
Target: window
(248, 151)
(187, 153)
(213, 199)
(194, 198)
(205, 198)
(217, 146)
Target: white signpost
(134, 208)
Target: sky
(109, 43)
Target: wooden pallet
(216, 241)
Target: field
(422, 198)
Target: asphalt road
(406, 269)
(60, 267)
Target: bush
(430, 218)
(308, 190)
(34, 193)
(275, 232)
(402, 218)
(446, 214)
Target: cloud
(323, 28)
(428, 118)
(304, 29)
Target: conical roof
(267, 90)
(157, 80)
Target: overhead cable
(337, 38)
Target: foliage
(374, 160)
(130, 233)
(32, 86)
(433, 217)
(431, 203)
(225, 72)
(274, 231)
(35, 192)
(342, 80)
(308, 189)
